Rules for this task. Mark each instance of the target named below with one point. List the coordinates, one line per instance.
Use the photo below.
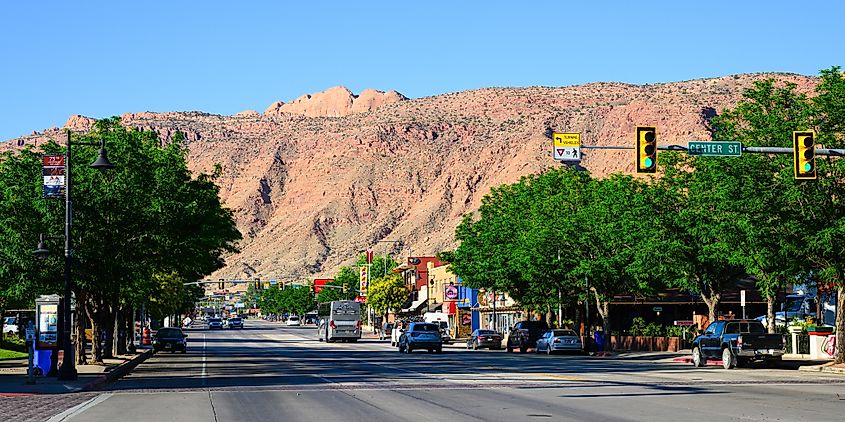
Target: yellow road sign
(567, 146)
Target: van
(442, 320)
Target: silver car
(559, 341)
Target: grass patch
(11, 354)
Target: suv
(525, 334)
(235, 322)
(215, 322)
(421, 335)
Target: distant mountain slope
(309, 192)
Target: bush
(15, 343)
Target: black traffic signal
(257, 283)
(221, 284)
(804, 151)
(646, 149)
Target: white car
(293, 321)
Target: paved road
(269, 372)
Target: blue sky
(101, 59)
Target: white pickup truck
(10, 326)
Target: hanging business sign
(363, 279)
(53, 172)
(450, 293)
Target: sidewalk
(13, 376)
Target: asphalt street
(269, 372)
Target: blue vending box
(41, 361)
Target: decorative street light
(67, 372)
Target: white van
(441, 319)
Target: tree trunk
(80, 318)
(839, 355)
(712, 303)
(770, 313)
(604, 311)
(578, 327)
(109, 312)
(94, 315)
(120, 332)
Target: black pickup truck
(737, 342)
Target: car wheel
(439, 350)
(697, 359)
(184, 351)
(430, 350)
(510, 349)
(728, 360)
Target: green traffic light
(648, 162)
(808, 167)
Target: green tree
(820, 203)
(386, 293)
(769, 232)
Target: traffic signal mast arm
(752, 150)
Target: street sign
(742, 297)
(657, 309)
(567, 146)
(685, 322)
(714, 149)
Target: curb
(821, 368)
(118, 372)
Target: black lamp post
(67, 372)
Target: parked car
(215, 322)
(293, 321)
(170, 338)
(737, 342)
(559, 341)
(484, 338)
(386, 330)
(525, 334)
(10, 326)
(235, 322)
(421, 335)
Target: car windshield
(214, 320)
(564, 333)
(10, 321)
(793, 304)
(293, 318)
(169, 332)
(425, 327)
(487, 332)
(234, 320)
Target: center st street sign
(714, 149)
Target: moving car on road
(484, 338)
(293, 321)
(737, 342)
(215, 322)
(525, 334)
(559, 341)
(170, 338)
(421, 335)
(235, 322)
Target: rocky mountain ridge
(316, 180)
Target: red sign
(53, 160)
(369, 257)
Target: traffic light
(646, 149)
(257, 283)
(221, 285)
(343, 289)
(804, 151)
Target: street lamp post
(67, 372)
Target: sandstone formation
(315, 180)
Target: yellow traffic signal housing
(257, 284)
(646, 149)
(804, 148)
(221, 285)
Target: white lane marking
(204, 373)
(79, 408)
